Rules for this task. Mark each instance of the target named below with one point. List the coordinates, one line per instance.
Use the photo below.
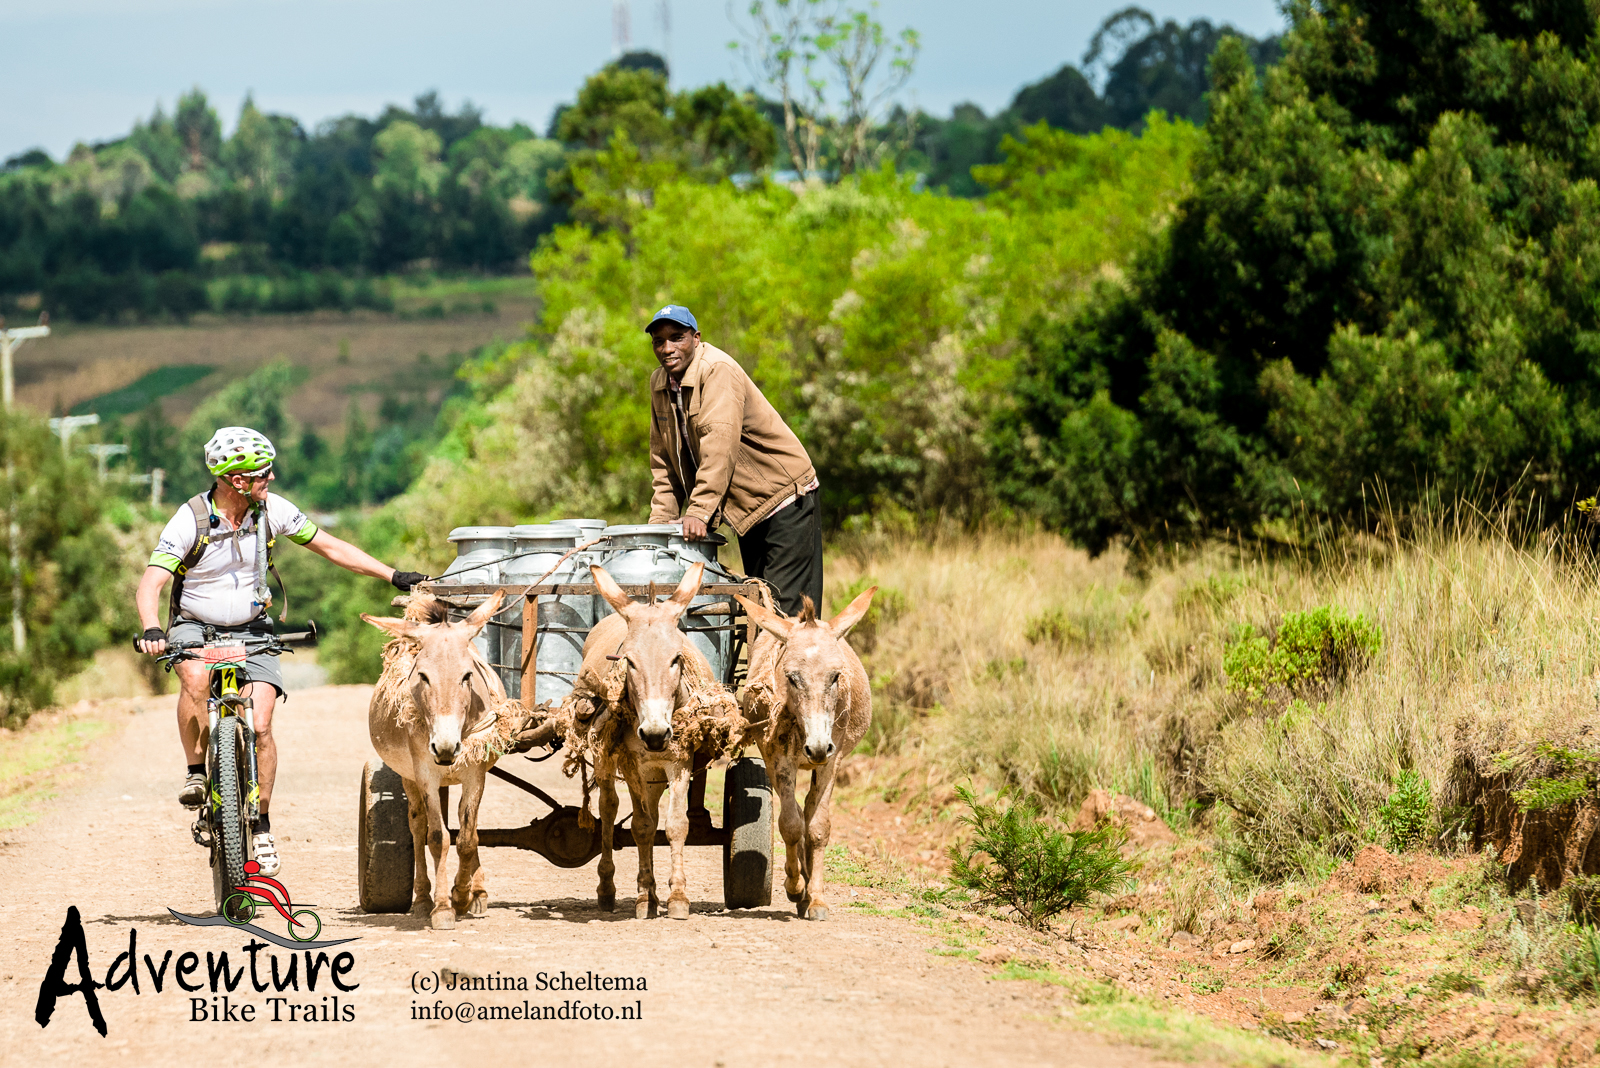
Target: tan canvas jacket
(749, 461)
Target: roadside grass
(33, 761)
(1013, 659)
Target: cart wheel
(385, 865)
(747, 817)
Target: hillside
(82, 368)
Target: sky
(84, 70)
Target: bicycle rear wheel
(230, 831)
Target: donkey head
(654, 650)
(812, 665)
(441, 681)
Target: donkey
(435, 691)
(662, 669)
(817, 706)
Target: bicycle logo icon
(240, 907)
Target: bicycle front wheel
(230, 831)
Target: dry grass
(1489, 648)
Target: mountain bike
(226, 823)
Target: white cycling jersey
(219, 588)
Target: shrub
(1579, 970)
(1408, 813)
(1036, 869)
(1312, 650)
(1583, 897)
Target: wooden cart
(386, 863)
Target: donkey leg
(677, 833)
(644, 840)
(443, 915)
(470, 897)
(607, 891)
(819, 828)
(417, 816)
(790, 825)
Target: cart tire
(747, 816)
(385, 863)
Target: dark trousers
(786, 549)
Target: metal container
(588, 529)
(479, 551)
(660, 553)
(538, 548)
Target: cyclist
(210, 551)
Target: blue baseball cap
(674, 313)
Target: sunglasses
(257, 476)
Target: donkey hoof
(678, 909)
(796, 895)
(817, 911)
(644, 908)
(444, 919)
(421, 907)
(608, 902)
(480, 904)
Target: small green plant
(1579, 971)
(1407, 815)
(1550, 793)
(1583, 898)
(1311, 650)
(1055, 627)
(1016, 858)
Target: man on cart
(720, 451)
(211, 550)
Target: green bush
(1036, 869)
(1310, 651)
(1407, 816)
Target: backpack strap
(264, 530)
(200, 508)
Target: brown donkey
(432, 718)
(811, 690)
(664, 672)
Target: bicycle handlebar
(271, 644)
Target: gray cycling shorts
(259, 666)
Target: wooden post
(530, 651)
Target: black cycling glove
(153, 634)
(404, 580)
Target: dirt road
(722, 988)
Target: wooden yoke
(530, 651)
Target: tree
(198, 130)
(1362, 285)
(808, 50)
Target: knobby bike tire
(231, 836)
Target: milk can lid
(479, 533)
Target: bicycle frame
(225, 664)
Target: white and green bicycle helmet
(238, 450)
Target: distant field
(120, 369)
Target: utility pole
(103, 454)
(10, 341)
(621, 27)
(64, 427)
(666, 36)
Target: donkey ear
(611, 591)
(480, 615)
(689, 586)
(399, 628)
(768, 620)
(841, 623)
